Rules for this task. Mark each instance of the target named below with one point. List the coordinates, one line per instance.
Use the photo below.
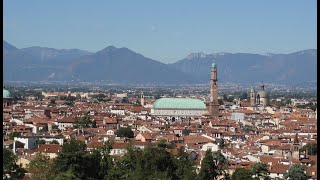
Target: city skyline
(161, 32)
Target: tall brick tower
(214, 104)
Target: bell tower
(214, 104)
(252, 96)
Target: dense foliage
(83, 122)
(296, 172)
(153, 162)
(41, 167)
(13, 134)
(54, 142)
(259, 170)
(73, 162)
(241, 173)
(125, 132)
(308, 106)
(213, 165)
(311, 148)
(10, 169)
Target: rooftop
(179, 103)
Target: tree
(71, 158)
(162, 144)
(220, 101)
(137, 103)
(70, 100)
(208, 167)
(83, 122)
(230, 98)
(73, 146)
(41, 167)
(244, 96)
(296, 172)
(67, 175)
(10, 168)
(125, 132)
(225, 97)
(73, 162)
(171, 145)
(311, 148)
(259, 170)
(78, 96)
(91, 165)
(185, 168)
(105, 163)
(69, 103)
(54, 142)
(41, 142)
(247, 128)
(13, 134)
(220, 143)
(241, 173)
(38, 95)
(151, 163)
(220, 162)
(155, 160)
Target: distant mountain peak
(312, 52)
(109, 49)
(8, 47)
(196, 55)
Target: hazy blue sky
(165, 30)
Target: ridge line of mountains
(121, 65)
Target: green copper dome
(179, 103)
(6, 94)
(214, 65)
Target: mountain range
(121, 65)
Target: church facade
(260, 98)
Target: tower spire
(262, 86)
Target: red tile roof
(49, 148)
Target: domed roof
(262, 94)
(214, 65)
(6, 94)
(179, 103)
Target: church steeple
(262, 86)
(252, 96)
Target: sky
(163, 30)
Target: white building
(236, 116)
(212, 146)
